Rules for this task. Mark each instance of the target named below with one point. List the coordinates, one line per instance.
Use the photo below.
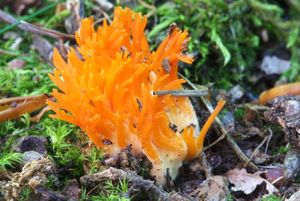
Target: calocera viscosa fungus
(108, 92)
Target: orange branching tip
(290, 89)
(108, 92)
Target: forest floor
(241, 48)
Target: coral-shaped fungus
(108, 92)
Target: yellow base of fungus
(108, 92)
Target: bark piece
(138, 187)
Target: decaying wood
(138, 187)
(5, 17)
(286, 112)
(14, 107)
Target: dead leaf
(215, 188)
(273, 174)
(246, 182)
(16, 64)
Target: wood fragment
(136, 184)
(189, 93)
(21, 105)
(25, 26)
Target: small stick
(256, 150)
(190, 93)
(215, 142)
(267, 144)
(33, 28)
(6, 101)
(222, 131)
(28, 105)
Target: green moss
(271, 198)
(227, 37)
(25, 193)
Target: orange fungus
(107, 90)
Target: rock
(44, 194)
(29, 156)
(105, 5)
(32, 143)
(292, 165)
(294, 197)
(274, 65)
(228, 121)
(236, 93)
(72, 190)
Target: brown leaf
(214, 188)
(246, 182)
(15, 107)
(16, 64)
(274, 173)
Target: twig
(34, 14)
(146, 5)
(149, 6)
(38, 117)
(28, 104)
(256, 150)
(277, 180)
(106, 16)
(215, 142)
(32, 28)
(221, 129)
(270, 136)
(190, 93)
(6, 101)
(206, 165)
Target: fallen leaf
(246, 182)
(215, 188)
(274, 173)
(16, 64)
(294, 197)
